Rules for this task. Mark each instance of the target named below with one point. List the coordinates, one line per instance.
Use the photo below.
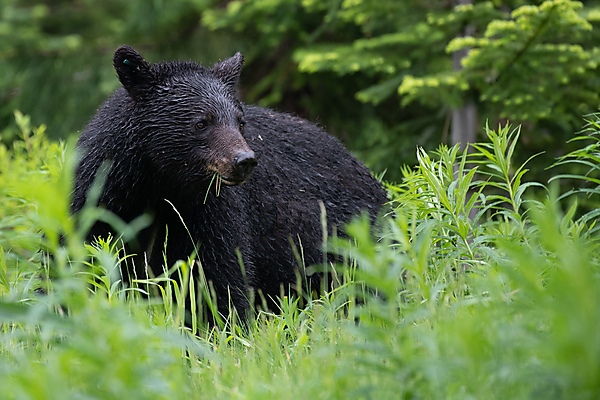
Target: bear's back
(302, 172)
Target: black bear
(219, 176)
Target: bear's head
(186, 119)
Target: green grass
(480, 286)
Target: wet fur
(147, 132)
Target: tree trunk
(464, 125)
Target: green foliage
(101, 352)
(584, 171)
(534, 63)
(33, 163)
(472, 289)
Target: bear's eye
(202, 125)
(242, 124)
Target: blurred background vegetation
(382, 75)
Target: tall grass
(480, 285)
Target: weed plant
(479, 285)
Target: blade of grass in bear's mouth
(217, 179)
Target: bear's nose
(244, 163)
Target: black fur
(175, 125)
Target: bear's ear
(134, 72)
(229, 70)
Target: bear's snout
(243, 165)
